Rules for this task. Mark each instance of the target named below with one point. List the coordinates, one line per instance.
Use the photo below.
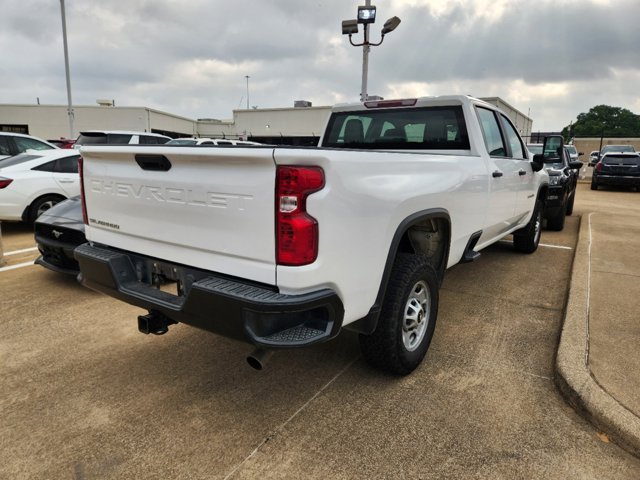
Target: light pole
(66, 69)
(366, 16)
(247, 77)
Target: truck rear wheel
(408, 317)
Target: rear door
(66, 175)
(504, 180)
(525, 184)
(208, 208)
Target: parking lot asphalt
(84, 395)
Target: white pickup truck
(283, 247)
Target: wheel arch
(25, 213)
(432, 222)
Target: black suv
(563, 179)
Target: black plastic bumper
(57, 256)
(618, 180)
(231, 307)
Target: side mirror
(575, 165)
(538, 162)
(552, 148)
(580, 154)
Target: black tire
(526, 239)
(594, 185)
(572, 199)
(557, 222)
(411, 297)
(41, 205)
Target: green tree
(606, 120)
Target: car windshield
(182, 141)
(571, 149)
(535, 148)
(17, 159)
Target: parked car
(210, 141)
(63, 142)
(15, 143)
(615, 149)
(58, 231)
(573, 153)
(31, 183)
(593, 157)
(563, 179)
(617, 168)
(358, 235)
(119, 137)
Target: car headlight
(554, 180)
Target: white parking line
(19, 265)
(24, 250)
(543, 245)
(554, 246)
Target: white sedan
(34, 181)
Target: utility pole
(247, 77)
(66, 68)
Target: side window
(29, 143)
(5, 146)
(224, 142)
(491, 133)
(517, 150)
(47, 167)
(119, 139)
(68, 165)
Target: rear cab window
(422, 128)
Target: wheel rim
(45, 206)
(538, 227)
(416, 316)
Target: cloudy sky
(551, 59)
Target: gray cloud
(190, 58)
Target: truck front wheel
(526, 239)
(408, 317)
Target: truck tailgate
(209, 208)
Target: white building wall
(51, 121)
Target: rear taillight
(599, 166)
(297, 231)
(4, 182)
(83, 200)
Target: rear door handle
(522, 172)
(496, 174)
(67, 180)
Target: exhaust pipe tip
(259, 358)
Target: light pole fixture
(367, 16)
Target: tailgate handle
(155, 163)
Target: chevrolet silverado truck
(283, 247)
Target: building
(299, 125)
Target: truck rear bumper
(254, 313)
